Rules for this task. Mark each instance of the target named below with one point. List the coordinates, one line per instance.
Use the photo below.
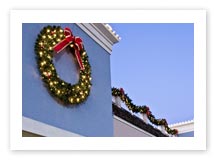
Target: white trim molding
(183, 127)
(101, 33)
(133, 126)
(43, 129)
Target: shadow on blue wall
(188, 134)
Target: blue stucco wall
(93, 117)
(188, 134)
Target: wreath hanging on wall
(52, 40)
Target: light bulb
(41, 44)
(49, 36)
(84, 53)
(43, 63)
(40, 53)
(71, 99)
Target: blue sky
(154, 63)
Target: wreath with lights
(142, 109)
(50, 41)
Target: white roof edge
(108, 32)
(183, 127)
(109, 27)
(101, 33)
(181, 123)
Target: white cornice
(112, 31)
(101, 33)
(183, 127)
(43, 129)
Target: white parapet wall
(183, 127)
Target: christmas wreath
(52, 40)
(142, 109)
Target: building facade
(98, 116)
(41, 114)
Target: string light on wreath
(142, 109)
(55, 39)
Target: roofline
(182, 123)
(101, 33)
(184, 127)
(136, 121)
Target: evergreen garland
(142, 109)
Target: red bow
(148, 112)
(122, 91)
(70, 38)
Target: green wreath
(54, 38)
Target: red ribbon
(70, 38)
(148, 112)
(122, 91)
(176, 131)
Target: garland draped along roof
(142, 109)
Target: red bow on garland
(122, 91)
(148, 112)
(70, 38)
